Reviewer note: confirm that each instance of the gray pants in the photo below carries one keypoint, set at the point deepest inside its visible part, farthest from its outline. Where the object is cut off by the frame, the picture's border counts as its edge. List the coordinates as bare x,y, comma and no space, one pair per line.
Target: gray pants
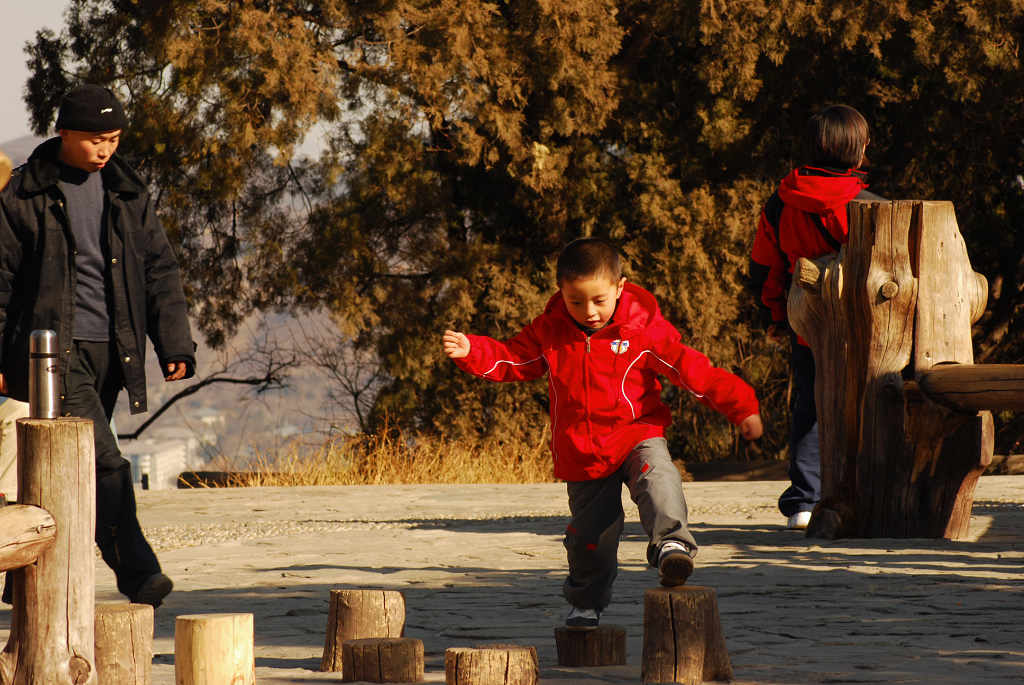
592,536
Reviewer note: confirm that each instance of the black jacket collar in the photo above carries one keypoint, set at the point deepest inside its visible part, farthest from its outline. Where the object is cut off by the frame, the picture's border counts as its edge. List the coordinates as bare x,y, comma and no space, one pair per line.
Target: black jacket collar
42,170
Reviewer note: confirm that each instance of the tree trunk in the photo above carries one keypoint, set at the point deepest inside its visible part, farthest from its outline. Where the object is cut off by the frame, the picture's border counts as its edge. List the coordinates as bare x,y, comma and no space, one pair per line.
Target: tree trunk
602,646
683,641
491,665
51,638
898,300
25,531
383,660
124,643
210,649
357,614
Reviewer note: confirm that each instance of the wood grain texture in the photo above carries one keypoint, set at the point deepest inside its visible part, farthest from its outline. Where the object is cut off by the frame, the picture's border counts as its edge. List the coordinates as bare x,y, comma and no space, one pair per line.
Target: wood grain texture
124,643
898,454
214,649
25,531
52,633
359,614
683,640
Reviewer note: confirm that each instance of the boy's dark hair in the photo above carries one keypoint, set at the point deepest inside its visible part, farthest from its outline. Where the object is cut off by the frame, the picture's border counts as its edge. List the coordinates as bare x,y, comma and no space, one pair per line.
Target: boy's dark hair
835,137
586,257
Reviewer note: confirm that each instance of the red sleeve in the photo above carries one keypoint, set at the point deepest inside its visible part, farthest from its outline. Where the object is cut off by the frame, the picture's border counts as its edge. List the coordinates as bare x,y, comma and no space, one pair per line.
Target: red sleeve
725,392
518,359
768,270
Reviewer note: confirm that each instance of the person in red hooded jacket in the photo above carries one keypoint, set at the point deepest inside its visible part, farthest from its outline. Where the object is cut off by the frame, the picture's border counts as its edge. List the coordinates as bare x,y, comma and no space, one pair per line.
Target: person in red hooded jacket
807,217
602,342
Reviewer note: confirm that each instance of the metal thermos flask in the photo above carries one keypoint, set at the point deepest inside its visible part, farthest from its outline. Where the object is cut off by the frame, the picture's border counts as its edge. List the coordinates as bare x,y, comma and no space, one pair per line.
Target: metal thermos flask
43,400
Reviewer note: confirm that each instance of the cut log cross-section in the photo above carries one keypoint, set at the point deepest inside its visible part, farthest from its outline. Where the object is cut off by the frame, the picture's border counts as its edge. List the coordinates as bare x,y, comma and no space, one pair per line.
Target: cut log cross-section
491,665
383,660
124,643
683,641
51,639
359,614
602,646
214,648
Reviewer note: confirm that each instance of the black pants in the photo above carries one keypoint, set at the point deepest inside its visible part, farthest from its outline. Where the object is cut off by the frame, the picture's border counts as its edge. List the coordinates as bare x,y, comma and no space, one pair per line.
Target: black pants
93,381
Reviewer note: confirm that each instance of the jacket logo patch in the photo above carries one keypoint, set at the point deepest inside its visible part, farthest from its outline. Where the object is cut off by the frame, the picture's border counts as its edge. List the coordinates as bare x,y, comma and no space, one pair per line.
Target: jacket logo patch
620,346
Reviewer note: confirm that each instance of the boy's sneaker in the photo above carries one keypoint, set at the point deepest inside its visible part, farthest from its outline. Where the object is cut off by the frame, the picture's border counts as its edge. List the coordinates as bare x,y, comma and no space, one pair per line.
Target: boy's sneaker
675,563
585,619
799,520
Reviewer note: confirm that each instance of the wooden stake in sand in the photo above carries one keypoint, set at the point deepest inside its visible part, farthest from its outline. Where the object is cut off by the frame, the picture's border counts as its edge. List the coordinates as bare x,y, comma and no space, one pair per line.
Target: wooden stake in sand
214,648
124,643
359,614
51,638
491,665
602,646
383,660
683,640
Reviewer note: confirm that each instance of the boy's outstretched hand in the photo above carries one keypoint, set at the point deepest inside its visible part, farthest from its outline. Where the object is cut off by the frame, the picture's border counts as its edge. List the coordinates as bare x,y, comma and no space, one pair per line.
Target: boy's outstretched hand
456,345
751,428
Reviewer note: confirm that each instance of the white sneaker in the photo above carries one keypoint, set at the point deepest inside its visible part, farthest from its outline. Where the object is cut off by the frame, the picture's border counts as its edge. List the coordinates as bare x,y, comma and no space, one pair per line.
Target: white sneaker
587,619
799,520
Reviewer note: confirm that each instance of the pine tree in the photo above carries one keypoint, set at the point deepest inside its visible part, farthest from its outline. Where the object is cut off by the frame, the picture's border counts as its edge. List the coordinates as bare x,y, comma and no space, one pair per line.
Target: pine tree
461,143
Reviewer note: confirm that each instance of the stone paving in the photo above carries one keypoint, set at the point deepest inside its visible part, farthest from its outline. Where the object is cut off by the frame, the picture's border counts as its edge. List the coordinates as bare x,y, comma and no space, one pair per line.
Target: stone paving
485,563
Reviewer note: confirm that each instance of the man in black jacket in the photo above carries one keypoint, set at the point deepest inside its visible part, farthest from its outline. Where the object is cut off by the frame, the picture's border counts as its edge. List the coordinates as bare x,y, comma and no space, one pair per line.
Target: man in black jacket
83,253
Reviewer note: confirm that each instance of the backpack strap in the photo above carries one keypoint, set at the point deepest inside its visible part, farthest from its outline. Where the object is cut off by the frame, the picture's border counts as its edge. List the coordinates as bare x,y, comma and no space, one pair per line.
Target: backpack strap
829,238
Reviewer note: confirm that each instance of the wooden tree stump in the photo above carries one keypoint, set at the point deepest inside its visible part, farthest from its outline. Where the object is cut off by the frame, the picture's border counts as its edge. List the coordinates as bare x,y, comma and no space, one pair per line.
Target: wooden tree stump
51,638
383,660
124,643
603,646
25,531
210,649
683,641
358,614
491,665
897,302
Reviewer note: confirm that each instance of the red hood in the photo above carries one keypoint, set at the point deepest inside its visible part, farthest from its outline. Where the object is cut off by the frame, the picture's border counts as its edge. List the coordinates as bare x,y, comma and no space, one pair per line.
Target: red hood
637,308
818,191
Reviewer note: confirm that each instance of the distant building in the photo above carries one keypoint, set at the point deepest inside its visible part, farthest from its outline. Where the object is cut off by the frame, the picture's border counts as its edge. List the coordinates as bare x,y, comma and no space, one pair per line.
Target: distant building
157,462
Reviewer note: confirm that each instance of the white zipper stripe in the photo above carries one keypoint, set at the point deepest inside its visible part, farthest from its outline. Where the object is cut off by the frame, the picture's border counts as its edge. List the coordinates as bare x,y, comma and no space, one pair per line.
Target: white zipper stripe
506,361
622,386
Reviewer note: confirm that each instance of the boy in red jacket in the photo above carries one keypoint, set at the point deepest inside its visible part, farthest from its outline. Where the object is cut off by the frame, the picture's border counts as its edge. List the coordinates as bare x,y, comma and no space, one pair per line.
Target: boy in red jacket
806,217
602,343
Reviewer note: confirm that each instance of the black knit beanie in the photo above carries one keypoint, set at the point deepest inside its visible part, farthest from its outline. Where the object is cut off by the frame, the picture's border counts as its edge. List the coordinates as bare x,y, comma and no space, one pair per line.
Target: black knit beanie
90,108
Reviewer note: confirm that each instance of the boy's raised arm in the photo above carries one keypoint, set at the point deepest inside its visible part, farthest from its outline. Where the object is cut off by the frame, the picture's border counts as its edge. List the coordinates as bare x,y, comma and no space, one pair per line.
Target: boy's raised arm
518,359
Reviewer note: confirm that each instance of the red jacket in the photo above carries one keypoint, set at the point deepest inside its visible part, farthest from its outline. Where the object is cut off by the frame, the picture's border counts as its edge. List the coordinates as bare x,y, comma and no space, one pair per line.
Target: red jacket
805,217
603,389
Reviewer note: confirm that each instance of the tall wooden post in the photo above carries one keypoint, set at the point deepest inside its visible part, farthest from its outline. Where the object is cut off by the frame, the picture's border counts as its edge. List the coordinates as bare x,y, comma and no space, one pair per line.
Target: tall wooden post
51,639
897,301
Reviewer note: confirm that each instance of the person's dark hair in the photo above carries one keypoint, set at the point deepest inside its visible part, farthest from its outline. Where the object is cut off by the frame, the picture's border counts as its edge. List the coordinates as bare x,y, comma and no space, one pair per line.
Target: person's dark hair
586,257
835,137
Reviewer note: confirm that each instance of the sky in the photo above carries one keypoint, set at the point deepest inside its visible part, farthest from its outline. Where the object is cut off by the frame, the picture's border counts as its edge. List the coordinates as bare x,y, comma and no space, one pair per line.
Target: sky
22,18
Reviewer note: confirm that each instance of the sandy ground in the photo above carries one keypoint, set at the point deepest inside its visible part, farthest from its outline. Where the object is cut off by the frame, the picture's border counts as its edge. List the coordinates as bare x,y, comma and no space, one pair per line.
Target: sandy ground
485,564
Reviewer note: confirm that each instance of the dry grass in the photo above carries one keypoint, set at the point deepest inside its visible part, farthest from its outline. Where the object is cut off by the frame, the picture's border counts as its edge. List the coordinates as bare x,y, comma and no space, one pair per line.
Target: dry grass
389,458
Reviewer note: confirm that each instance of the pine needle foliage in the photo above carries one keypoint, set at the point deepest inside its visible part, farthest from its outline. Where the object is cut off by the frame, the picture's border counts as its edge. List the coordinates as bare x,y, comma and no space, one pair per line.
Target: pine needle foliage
465,141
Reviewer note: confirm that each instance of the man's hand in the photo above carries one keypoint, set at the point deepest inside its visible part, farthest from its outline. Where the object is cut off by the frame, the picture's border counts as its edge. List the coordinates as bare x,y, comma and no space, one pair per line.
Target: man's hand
456,345
175,371
751,428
